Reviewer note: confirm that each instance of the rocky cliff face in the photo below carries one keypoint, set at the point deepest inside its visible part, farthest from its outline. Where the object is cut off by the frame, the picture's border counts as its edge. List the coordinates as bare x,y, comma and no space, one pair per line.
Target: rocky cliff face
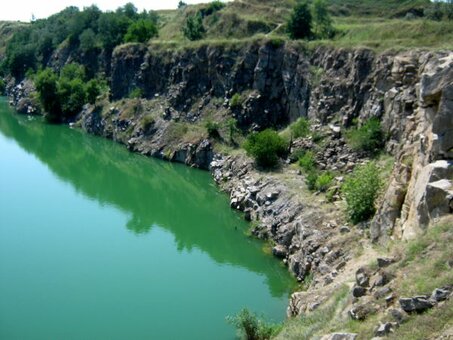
274,80
411,93
421,186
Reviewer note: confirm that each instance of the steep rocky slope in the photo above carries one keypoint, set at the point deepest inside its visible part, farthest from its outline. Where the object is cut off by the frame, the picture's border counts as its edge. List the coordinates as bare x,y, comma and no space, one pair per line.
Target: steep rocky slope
411,93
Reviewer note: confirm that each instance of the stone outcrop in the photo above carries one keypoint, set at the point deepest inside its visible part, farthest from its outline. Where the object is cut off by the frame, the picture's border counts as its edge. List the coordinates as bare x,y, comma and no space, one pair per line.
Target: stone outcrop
21,97
420,190
411,93
300,232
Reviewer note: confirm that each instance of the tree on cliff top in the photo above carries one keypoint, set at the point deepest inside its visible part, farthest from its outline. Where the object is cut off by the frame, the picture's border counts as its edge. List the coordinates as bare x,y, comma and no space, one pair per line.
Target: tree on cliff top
300,22
141,31
322,21
194,29
310,19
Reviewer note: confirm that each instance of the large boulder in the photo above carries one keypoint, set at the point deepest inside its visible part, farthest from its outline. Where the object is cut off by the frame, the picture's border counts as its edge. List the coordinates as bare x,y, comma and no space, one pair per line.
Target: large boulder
433,193
417,304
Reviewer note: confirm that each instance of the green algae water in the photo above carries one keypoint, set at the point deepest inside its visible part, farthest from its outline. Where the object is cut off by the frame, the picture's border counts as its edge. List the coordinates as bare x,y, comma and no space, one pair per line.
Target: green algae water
99,243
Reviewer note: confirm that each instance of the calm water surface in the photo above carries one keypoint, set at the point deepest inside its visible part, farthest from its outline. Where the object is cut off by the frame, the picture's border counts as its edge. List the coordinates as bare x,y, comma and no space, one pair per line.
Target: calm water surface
99,243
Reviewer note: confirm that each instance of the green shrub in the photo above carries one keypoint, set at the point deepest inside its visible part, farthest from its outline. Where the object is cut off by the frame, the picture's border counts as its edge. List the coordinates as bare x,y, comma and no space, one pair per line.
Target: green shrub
311,178
93,89
251,327
434,11
136,93
211,8
360,191
330,193
63,96
296,154
71,96
141,31
231,125
212,128
2,87
276,42
300,23
88,40
46,83
266,147
368,137
20,60
72,71
307,161
147,121
194,29
324,181
300,128
317,137
236,101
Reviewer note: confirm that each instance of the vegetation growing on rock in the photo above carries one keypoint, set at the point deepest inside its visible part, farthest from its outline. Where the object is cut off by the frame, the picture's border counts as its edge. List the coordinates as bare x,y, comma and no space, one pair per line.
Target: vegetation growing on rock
361,190
266,147
63,96
368,137
251,327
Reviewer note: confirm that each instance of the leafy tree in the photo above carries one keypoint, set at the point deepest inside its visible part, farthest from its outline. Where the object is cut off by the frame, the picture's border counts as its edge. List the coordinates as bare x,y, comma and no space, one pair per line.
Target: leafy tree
93,89
129,10
88,40
72,96
21,52
141,31
47,87
448,9
45,47
20,59
300,23
266,147
63,96
360,191
434,11
112,28
323,27
194,29
181,4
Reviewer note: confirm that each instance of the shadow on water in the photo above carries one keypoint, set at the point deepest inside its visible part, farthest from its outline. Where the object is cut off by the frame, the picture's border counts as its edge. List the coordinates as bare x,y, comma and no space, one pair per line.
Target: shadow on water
184,201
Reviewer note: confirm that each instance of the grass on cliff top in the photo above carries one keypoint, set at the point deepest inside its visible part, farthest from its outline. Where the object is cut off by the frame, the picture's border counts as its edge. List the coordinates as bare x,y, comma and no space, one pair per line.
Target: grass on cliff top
381,8
396,34
368,23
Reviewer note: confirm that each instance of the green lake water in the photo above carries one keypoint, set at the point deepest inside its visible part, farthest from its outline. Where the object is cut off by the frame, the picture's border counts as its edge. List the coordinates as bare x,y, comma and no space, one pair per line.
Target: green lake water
100,243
